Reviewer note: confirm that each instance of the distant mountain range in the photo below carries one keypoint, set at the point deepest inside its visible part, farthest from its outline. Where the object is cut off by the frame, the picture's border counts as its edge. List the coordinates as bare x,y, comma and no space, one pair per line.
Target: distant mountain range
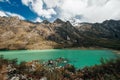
22,34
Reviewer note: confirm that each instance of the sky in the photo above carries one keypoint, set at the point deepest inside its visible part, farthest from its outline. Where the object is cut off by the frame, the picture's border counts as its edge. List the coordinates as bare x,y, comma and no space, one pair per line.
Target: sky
75,11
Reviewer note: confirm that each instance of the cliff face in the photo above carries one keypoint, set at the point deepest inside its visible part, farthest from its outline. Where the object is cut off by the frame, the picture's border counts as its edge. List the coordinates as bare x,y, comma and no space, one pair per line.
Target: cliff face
108,29
106,34
19,34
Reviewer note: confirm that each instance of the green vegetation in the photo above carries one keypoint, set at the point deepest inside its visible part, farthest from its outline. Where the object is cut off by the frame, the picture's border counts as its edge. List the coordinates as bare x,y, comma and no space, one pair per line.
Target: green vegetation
102,42
37,70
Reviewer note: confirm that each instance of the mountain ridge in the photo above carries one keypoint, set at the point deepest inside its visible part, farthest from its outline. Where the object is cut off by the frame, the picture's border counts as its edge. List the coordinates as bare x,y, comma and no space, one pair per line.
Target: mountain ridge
22,34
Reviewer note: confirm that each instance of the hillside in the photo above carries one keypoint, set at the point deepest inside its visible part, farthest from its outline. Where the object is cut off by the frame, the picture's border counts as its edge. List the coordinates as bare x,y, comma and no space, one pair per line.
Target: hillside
21,34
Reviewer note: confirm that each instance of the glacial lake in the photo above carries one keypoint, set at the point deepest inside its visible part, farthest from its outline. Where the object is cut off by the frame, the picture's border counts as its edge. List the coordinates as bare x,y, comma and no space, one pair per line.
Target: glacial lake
78,58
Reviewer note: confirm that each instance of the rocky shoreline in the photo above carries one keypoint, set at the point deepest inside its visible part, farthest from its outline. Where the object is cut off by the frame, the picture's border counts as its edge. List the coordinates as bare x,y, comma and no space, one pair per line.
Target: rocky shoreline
35,70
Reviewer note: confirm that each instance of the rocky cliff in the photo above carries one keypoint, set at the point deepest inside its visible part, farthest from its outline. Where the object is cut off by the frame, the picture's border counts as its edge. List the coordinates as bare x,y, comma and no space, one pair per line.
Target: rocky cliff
106,34
21,34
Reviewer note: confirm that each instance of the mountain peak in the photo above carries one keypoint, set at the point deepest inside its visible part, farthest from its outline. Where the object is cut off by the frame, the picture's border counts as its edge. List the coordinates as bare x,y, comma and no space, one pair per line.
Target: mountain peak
58,21
45,22
68,23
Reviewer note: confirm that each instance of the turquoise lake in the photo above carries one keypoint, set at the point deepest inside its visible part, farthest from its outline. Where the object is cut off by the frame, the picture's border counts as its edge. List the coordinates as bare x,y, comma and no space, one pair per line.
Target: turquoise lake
78,58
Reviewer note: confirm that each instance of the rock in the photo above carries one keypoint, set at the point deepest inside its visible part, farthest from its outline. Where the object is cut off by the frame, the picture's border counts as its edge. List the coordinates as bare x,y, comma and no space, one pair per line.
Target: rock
46,22
21,34
58,21
7,35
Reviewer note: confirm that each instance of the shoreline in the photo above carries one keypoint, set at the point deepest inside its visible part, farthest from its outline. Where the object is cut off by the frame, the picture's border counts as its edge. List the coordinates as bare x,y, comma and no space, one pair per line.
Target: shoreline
116,51
72,48
69,48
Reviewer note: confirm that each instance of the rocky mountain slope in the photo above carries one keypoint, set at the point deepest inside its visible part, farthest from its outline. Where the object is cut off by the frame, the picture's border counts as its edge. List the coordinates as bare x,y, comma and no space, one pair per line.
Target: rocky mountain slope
21,34
106,34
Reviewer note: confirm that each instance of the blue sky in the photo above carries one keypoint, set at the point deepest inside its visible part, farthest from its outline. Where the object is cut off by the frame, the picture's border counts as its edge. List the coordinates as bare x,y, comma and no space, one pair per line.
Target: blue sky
15,6
72,10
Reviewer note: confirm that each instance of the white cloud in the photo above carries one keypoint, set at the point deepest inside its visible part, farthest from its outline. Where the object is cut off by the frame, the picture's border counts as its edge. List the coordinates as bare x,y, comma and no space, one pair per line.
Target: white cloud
38,20
52,3
87,10
91,10
4,13
14,14
37,7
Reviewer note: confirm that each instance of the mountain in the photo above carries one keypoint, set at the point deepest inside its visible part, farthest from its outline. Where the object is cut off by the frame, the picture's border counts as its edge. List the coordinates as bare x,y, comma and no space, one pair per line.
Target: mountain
22,34
106,34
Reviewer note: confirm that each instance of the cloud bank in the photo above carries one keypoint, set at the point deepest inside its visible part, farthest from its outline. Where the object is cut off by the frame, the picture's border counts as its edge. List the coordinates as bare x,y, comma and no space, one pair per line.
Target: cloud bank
72,10
7,14
37,6
77,10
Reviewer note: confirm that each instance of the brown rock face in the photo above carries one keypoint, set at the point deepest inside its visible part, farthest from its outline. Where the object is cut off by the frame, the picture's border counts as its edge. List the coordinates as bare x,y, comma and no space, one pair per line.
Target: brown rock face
21,34
17,34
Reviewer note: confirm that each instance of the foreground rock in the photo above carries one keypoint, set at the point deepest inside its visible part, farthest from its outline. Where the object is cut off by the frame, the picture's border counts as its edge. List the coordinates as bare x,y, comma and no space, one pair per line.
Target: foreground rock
37,70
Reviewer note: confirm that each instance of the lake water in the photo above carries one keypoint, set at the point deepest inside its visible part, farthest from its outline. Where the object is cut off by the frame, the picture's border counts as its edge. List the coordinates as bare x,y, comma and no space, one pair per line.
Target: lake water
78,58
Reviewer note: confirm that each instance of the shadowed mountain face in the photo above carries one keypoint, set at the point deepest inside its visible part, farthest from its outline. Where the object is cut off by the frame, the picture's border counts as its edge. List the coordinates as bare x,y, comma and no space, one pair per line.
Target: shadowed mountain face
108,29
19,34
